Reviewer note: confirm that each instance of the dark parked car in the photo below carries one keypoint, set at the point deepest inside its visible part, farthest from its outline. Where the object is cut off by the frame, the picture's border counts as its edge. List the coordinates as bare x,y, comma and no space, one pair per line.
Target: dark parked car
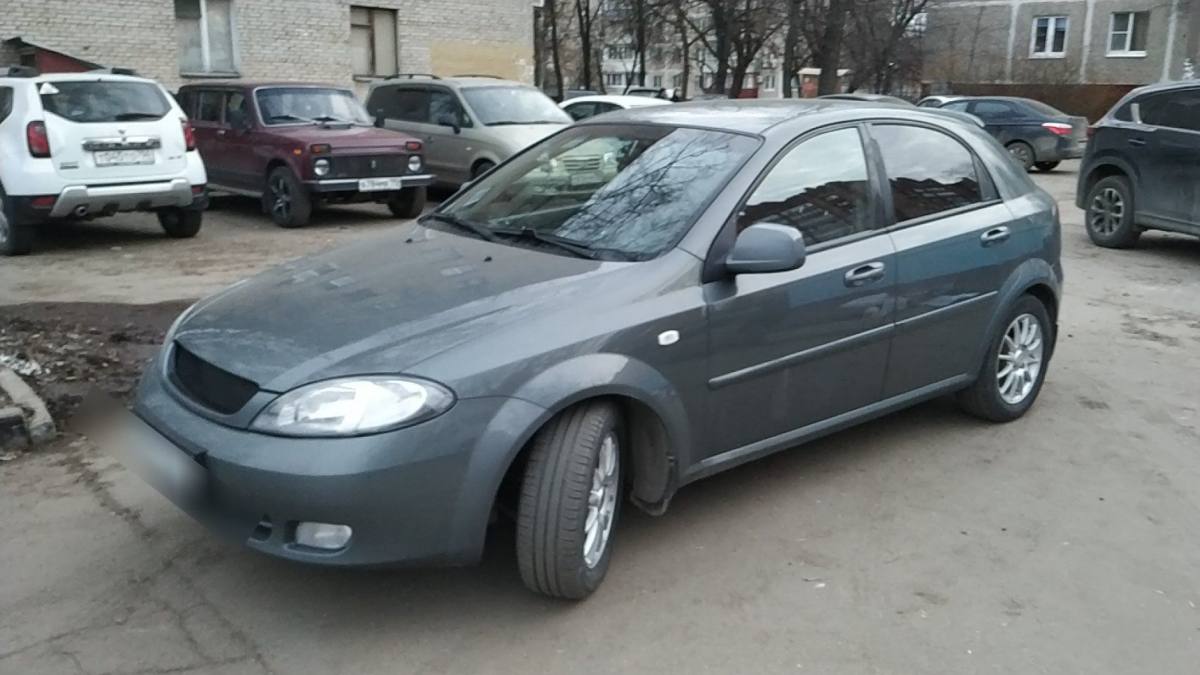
1037,135
296,146
1142,167
894,100
731,280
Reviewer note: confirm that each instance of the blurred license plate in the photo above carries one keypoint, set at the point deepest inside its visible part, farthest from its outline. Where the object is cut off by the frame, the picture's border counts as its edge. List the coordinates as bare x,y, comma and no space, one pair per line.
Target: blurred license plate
123,157
588,178
379,184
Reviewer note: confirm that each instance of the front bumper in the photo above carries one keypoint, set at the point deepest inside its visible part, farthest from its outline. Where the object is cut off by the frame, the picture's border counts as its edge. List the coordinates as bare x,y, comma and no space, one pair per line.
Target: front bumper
82,200
352,184
417,495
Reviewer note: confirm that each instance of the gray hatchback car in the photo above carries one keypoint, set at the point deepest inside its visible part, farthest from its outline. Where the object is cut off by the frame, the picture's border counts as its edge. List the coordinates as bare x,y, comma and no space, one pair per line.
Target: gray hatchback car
728,280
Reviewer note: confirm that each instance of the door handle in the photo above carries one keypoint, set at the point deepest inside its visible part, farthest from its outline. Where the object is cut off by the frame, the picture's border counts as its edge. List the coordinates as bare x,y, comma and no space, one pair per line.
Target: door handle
995,236
865,274
1139,142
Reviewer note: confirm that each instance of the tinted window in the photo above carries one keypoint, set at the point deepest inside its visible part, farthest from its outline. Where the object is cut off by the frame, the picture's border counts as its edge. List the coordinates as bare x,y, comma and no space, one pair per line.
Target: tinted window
929,172
581,111
235,109
1174,109
104,101
820,187
444,106
995,110
410,105
6,102
626,192
208,106
1124,113
513,105
960,106
187,102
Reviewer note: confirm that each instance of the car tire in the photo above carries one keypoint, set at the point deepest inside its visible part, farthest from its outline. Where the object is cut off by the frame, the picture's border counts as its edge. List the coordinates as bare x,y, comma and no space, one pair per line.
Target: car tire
409,203
572,477
14,239
286,200
1109,213
180,223
1046,167
1022,152
1005,388
481,168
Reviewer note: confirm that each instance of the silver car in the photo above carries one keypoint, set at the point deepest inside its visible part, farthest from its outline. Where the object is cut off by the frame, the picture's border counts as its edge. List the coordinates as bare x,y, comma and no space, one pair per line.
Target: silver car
469,124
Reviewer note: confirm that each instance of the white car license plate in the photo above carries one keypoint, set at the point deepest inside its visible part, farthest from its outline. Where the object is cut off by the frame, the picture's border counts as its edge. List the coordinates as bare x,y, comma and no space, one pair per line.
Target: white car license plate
379,184
586,178
123,157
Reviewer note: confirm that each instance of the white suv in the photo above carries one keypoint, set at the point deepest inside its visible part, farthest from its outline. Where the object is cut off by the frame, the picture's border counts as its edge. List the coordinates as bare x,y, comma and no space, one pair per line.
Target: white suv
84,145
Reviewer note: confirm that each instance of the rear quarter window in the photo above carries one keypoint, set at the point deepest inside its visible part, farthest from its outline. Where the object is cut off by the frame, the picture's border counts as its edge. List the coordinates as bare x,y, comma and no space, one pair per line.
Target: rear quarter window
96,101
6,102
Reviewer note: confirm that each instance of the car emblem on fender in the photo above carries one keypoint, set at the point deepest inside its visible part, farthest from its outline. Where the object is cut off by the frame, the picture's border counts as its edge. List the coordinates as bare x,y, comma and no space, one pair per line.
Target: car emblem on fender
374,164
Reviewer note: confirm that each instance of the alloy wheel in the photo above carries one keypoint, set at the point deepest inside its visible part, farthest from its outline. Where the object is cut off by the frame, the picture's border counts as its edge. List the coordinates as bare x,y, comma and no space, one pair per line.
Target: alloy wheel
1107,211
1019,361
1021,153
602,501
281,198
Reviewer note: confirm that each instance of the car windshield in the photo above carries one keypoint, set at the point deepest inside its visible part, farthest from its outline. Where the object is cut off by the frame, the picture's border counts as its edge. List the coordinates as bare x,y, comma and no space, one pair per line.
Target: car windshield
611,192
1045,109
513,105
290,105
104,101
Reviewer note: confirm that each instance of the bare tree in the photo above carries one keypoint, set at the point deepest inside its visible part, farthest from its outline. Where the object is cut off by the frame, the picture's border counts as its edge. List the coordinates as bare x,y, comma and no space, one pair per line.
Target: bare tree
881,34
586,16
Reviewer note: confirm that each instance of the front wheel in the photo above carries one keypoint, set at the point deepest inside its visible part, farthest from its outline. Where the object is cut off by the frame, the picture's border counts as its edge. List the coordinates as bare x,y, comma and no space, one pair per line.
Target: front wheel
1046,167
14,239
180,223
1015,366
570,500
1109,216
286,199
1023,153
409,203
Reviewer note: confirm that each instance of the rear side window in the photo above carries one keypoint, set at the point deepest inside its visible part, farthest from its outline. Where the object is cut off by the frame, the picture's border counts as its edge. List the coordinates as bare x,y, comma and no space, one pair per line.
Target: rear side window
820,187
104,101
401,103
1043,108
208,106
1173,109
929,172
995,110
6,102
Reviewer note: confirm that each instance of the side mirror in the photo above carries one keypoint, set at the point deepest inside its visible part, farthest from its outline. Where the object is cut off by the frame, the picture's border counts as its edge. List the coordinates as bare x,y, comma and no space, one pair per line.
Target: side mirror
1135,112
766,247
451,120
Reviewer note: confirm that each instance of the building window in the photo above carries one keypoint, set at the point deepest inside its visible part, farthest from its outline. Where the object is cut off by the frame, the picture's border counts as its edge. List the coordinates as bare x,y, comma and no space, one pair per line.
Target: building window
658,81
205,30
1127,33
373,41
614,79
768,82
620,51
1049,37
677,80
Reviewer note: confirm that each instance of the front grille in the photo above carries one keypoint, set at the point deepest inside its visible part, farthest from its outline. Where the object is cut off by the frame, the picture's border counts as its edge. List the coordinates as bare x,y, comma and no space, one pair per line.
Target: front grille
573,164
210,386
370,166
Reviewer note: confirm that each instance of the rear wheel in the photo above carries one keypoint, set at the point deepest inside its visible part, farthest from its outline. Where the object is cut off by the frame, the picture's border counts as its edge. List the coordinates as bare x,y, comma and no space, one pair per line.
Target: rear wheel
1109,215
14,239
180,223
1023,153
1046,166
409,203
1015,365
286,200
570,500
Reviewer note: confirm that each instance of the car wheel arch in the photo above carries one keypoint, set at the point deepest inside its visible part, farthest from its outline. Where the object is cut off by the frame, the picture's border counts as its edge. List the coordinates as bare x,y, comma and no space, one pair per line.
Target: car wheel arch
1104,168
1034,277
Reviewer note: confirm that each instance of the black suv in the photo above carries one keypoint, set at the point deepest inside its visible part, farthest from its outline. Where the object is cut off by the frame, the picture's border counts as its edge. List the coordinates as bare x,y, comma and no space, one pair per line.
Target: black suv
1142,166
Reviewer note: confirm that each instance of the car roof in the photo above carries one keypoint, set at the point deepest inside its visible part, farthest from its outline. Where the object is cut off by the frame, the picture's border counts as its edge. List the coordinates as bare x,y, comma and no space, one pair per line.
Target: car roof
87,76
630,101
460,82
756,116
242,84
1166,86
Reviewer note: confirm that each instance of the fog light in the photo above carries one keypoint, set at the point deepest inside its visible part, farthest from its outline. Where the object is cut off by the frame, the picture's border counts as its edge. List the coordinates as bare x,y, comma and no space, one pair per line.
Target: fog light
414,163
321,167
326,536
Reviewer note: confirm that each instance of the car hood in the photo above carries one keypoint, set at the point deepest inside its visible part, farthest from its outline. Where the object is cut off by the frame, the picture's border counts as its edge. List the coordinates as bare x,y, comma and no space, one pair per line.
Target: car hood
341,136
517,137
383,305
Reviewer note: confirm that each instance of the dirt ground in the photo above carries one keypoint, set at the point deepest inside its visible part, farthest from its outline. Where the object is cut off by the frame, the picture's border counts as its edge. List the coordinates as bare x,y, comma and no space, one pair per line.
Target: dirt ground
925,542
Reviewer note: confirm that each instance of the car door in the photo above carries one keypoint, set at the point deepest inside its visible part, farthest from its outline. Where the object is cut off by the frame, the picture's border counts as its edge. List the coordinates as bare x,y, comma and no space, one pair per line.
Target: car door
1169,156
246,168
790,349
955,246
208,123
450,132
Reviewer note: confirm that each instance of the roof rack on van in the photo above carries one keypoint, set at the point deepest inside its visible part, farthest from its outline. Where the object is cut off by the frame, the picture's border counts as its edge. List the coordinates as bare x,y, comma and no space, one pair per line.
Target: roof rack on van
116,71
411,76
493,77
21,71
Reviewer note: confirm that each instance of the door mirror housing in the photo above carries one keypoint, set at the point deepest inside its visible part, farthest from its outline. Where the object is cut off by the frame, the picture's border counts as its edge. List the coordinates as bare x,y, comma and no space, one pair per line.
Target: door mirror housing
379,118
766,247
448,119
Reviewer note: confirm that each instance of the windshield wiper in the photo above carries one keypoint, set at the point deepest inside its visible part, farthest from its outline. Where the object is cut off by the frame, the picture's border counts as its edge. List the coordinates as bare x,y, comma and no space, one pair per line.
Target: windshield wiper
578,248
286,118
127,116
329,119
478,230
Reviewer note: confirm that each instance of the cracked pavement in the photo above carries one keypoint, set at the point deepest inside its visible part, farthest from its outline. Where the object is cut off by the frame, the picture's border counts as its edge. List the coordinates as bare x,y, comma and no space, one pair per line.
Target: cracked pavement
924,542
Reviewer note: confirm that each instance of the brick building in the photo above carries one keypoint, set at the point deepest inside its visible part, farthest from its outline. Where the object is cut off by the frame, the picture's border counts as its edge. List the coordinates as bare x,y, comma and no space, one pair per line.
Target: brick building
339,41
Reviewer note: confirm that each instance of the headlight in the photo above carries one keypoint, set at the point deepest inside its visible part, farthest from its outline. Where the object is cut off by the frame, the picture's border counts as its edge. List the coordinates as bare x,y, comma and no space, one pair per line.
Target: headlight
414,163
353,406
321,167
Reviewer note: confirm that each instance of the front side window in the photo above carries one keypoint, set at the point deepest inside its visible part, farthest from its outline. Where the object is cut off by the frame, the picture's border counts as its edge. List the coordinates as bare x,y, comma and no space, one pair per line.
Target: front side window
627,192
959,106
820,187
928,171
205,32
208,106
1173,109
6,102
1049,37
293,105
104,101
445,110
513,105
1127,33
373,42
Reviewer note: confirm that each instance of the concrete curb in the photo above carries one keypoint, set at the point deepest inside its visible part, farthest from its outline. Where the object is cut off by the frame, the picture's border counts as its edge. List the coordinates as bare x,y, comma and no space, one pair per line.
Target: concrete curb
39,426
